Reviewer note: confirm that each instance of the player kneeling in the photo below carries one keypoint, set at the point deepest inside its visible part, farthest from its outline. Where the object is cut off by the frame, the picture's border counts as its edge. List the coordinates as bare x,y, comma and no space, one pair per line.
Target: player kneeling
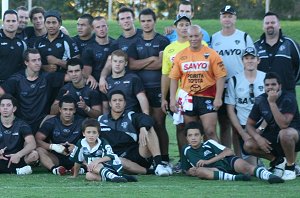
211,160
96,153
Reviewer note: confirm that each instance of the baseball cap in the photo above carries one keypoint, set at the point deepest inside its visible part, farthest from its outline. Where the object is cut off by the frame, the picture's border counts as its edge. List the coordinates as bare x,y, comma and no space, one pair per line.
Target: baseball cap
53,13
181,16
250,51
228,9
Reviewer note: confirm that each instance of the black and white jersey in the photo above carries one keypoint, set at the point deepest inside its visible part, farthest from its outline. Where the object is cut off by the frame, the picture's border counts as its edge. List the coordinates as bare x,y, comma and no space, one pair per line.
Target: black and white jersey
33,96
123,43
131,85
56,132
62,47
282,58
124,131
81,44
13,137
90,96
95,56
143,49
11,55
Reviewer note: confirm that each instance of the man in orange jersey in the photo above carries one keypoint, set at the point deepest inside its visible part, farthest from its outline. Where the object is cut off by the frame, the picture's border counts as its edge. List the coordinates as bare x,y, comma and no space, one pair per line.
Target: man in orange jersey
202,75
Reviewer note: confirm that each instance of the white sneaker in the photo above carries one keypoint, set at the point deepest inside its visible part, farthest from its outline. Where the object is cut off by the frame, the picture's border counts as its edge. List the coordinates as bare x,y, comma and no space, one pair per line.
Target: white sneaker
161,171
168,166
279,168
289,175
26,170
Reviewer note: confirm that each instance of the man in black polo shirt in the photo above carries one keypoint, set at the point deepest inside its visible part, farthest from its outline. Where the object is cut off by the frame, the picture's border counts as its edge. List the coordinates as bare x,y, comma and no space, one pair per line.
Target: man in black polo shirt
89,101
129,83
55,47
11,47
279,140
32,88
57,136
94,55
125,18
17,143
145,58
85,34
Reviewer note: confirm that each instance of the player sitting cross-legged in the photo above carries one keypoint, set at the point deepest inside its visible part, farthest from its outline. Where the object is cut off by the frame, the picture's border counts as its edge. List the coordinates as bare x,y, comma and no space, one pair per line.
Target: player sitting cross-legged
211,160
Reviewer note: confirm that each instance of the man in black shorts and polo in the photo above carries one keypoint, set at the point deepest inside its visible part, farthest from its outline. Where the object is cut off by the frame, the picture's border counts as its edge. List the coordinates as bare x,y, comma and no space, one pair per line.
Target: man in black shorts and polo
279,141
57,136
132,137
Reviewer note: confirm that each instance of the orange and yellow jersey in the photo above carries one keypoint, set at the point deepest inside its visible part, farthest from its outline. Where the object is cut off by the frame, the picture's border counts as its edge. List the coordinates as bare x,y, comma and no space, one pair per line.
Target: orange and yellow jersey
198,71
170,52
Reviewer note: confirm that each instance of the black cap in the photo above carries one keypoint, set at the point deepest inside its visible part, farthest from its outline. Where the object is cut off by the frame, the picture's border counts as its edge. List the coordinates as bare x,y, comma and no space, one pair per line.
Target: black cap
250,51
181,16
53,13
228,9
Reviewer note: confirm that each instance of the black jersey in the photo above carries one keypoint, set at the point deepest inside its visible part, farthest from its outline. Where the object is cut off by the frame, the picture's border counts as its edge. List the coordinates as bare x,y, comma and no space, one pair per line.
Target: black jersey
95,56
56,132
131,85
13,138
62,47
33,96
91,96
124,131
81,44
143,49
286,103
11,55
123,43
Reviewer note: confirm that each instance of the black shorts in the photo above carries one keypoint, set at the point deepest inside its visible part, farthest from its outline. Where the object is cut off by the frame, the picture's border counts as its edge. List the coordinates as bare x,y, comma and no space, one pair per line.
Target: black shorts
12,168
154,96
201,106
63,160
230,161
274,139
132,153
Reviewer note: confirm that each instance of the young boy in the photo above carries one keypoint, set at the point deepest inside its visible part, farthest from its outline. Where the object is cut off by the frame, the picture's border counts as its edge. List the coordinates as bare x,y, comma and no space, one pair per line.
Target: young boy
211,160
97,155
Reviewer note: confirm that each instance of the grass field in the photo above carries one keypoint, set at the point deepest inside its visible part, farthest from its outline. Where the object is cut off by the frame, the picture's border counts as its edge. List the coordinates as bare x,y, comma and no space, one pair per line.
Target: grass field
43,184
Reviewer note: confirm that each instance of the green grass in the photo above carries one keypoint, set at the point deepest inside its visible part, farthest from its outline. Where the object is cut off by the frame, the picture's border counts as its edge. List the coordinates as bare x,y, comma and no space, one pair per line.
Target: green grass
43,184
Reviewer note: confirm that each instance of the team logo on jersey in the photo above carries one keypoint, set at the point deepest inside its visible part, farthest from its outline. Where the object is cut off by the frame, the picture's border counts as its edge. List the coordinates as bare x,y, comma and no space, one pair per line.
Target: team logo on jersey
7,132
12,47
106,49
206,55
32,86
124,49
195,88
99,153
237,42
209,105
261,88
124,125
207,152
49,49
148,44
105,121
19,43
117,82
281,48
56,132
139,48
98,55
195,66
58,45
171,50
78,93
65,132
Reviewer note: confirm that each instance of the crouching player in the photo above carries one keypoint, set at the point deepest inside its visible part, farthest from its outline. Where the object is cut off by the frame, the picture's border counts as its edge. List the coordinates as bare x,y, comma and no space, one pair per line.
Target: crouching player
211,160
96,153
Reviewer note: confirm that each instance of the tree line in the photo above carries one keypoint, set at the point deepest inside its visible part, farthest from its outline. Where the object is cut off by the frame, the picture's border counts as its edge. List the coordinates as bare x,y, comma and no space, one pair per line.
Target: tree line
204,9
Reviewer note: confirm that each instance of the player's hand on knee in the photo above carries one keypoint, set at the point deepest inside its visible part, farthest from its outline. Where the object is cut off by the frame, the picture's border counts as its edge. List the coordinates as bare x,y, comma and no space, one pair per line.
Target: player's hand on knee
58,148
201,163
14,158
143,137
264,144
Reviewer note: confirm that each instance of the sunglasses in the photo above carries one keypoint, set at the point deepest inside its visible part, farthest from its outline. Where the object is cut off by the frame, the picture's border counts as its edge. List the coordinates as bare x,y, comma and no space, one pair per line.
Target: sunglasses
251,93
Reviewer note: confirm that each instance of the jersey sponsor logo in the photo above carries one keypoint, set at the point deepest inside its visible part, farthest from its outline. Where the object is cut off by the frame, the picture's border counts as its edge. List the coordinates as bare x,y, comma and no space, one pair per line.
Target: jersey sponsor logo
282,48
245,101
106,49
15,134
105,129
155,45
126,82
230,52
261,88
195,66
117,82
195,78
7,132
4,43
